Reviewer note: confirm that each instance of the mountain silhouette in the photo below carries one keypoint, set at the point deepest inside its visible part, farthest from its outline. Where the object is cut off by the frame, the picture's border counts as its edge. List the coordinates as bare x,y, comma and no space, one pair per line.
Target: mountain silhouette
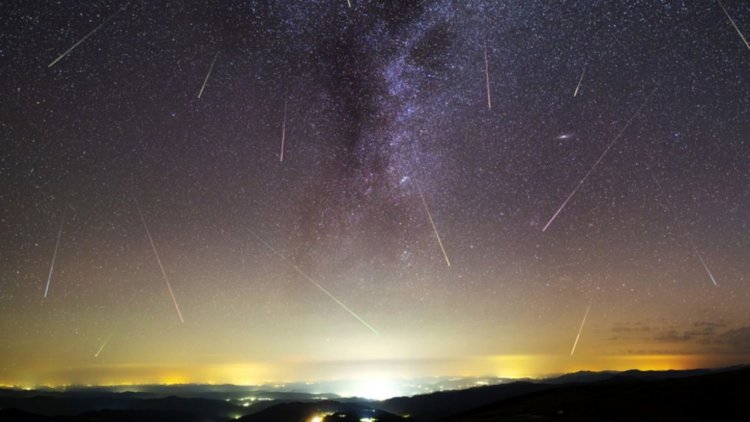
623,397
582,396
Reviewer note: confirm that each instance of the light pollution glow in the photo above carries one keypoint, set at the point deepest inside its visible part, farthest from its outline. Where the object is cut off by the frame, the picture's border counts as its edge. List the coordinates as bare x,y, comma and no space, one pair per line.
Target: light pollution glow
374,372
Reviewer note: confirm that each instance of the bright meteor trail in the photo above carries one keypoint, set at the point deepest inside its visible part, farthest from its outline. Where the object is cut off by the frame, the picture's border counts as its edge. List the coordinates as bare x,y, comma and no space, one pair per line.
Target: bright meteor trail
580,329
579,82
432,222
700,258
158,259
733,24
487,77
670,206
96,355
54,255
599,160
208,75
283,134
315,283
88,35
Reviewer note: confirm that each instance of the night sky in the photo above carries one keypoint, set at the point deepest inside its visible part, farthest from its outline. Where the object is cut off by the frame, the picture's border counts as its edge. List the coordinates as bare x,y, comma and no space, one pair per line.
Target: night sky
412,227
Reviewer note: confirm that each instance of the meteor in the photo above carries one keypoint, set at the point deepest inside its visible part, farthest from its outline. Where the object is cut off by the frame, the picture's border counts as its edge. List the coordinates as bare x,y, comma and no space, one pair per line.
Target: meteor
88,35
700,258
208,75
96,355
313,282
283,135
599,160
158,259
487,77
580,329
54,254
432,222
733,24
670,207
349,2
579,82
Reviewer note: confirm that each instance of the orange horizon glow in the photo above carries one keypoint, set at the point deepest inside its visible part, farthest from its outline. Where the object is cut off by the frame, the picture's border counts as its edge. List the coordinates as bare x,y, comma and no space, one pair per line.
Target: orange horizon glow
257,374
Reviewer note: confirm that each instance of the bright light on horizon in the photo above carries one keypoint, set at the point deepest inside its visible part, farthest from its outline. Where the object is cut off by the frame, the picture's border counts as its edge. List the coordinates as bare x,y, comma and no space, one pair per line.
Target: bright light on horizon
375,388
378,380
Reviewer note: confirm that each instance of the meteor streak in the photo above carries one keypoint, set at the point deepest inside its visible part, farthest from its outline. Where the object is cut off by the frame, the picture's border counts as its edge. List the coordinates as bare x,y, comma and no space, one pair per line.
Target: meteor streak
733,24
208,75
158,259
580,329
315,283
432,222
54,254
670,207
96,355
579,82
700,258
88,35
283,135
349,2
487,77
599,160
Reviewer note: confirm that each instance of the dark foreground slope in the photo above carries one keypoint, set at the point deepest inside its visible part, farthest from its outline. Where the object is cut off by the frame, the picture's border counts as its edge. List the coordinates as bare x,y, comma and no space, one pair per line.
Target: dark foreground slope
70,405
123,415
115,407
716,396
434,406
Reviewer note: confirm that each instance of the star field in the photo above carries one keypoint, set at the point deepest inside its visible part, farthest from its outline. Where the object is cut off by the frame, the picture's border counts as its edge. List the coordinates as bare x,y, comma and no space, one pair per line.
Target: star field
326,264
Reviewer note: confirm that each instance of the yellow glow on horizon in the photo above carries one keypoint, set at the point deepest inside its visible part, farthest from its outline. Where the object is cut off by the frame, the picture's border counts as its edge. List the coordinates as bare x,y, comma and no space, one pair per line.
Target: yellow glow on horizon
368,379
174,379
513,366
534,366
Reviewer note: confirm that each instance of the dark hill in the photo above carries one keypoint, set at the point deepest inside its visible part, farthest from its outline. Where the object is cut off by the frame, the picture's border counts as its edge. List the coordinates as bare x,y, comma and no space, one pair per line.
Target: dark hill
69,406
430,407
435,406
635,374
124,415
15,415
715,396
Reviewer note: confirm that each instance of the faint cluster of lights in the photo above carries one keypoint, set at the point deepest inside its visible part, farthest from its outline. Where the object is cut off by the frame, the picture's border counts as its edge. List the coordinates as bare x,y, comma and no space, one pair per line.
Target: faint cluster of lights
321,416
254,399
250,400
